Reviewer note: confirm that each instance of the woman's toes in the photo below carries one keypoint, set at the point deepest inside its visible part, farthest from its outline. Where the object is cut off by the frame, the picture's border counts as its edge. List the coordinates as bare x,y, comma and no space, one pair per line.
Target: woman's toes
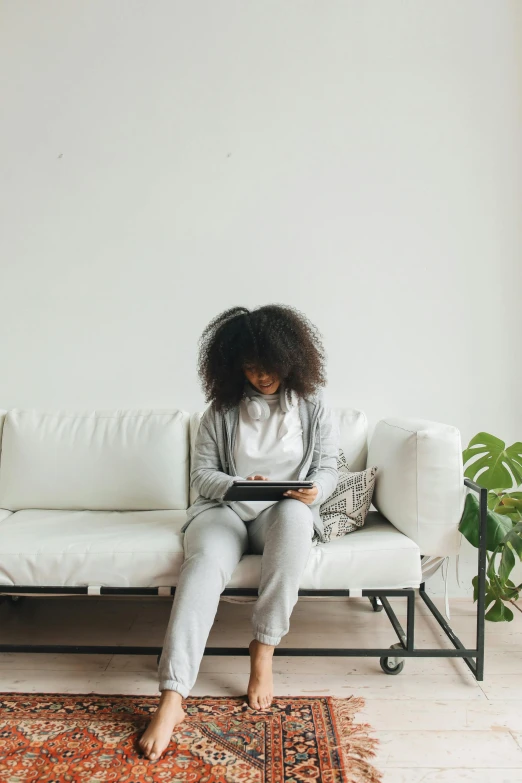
258,702
152,751
146,748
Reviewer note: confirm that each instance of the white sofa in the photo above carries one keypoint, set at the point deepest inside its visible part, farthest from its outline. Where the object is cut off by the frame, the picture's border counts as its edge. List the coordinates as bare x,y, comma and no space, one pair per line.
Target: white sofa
97,498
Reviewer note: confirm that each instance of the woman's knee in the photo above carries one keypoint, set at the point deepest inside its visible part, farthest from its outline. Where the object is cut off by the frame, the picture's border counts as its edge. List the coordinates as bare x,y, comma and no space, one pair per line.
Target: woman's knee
290,519
216,534
295,510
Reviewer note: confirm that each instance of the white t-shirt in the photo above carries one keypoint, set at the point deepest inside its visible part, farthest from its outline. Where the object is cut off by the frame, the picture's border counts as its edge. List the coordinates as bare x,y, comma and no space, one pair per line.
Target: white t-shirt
273,448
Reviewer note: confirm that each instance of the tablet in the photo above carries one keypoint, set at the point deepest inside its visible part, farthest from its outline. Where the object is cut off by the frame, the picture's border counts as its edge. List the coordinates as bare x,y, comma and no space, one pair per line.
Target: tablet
263,490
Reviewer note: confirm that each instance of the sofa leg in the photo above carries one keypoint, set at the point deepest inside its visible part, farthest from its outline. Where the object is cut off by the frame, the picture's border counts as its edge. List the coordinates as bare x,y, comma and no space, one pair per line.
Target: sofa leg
376,603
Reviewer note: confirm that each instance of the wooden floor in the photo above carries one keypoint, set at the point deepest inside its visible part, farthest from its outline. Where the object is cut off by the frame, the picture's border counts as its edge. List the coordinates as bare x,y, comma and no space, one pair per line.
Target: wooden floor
434,721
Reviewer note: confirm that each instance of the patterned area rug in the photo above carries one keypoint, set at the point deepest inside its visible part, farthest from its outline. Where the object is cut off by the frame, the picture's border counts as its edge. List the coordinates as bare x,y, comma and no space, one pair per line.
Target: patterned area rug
85,738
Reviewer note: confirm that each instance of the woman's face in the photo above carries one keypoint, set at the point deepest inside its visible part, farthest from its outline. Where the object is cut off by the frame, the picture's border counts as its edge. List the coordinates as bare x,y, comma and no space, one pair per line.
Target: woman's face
266,383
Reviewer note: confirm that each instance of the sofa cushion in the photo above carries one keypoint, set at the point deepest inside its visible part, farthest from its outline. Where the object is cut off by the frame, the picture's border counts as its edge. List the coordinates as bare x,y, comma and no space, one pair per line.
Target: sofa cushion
3,414
353,427
99,460
112,548
375,556
193,427
346,508
420,483
145,549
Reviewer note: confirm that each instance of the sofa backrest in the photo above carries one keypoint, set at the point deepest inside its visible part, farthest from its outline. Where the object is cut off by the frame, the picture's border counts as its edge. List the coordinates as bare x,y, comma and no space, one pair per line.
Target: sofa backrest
116,459
193,431
353,428
2,419
101,460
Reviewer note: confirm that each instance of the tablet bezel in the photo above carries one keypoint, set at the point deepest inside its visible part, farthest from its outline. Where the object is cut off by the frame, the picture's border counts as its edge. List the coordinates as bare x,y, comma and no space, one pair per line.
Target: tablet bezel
278,487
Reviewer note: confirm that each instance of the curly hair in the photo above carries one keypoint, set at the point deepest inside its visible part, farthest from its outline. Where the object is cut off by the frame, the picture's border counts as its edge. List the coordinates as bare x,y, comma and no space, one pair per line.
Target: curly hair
275,337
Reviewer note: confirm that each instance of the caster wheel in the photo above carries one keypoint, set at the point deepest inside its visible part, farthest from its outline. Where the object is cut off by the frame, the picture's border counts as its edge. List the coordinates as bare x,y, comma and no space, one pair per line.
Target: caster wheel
376,603
391,666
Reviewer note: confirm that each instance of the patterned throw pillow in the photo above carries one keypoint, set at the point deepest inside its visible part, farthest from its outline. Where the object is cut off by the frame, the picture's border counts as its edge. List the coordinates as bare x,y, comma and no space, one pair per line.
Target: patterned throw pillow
346,508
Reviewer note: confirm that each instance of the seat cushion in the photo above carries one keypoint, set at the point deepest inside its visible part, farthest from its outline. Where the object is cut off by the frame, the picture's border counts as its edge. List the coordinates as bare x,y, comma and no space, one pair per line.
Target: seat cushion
145,549
73,548
375,556
102,460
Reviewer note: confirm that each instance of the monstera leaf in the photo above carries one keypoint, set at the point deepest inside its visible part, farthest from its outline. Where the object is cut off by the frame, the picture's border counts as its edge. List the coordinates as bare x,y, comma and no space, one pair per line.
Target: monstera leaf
513,538
499,612
507,503
496,458
497,526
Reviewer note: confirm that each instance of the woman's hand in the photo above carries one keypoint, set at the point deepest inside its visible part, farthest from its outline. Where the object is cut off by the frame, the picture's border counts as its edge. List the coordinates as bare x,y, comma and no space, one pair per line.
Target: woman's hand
305,495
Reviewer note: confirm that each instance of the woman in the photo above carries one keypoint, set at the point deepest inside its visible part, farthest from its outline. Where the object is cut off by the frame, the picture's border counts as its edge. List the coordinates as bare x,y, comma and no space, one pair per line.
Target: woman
267,419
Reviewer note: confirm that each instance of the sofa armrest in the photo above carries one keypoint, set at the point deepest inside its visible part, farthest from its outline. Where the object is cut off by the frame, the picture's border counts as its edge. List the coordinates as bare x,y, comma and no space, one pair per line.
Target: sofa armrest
420,484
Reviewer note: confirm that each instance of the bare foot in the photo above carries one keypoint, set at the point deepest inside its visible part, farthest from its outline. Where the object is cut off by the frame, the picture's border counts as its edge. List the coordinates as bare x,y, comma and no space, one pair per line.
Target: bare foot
260,684
158,733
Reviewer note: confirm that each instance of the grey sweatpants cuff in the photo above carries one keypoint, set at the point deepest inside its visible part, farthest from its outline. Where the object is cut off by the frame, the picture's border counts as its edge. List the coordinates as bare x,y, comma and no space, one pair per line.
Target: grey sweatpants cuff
266,639
173,685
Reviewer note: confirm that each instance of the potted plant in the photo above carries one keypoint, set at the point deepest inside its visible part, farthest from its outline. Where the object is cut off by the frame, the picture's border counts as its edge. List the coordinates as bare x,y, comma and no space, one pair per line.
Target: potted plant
498,469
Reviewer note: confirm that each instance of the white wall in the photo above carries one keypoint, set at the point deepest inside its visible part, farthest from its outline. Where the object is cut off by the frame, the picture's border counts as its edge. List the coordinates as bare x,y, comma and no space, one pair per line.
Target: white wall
164,160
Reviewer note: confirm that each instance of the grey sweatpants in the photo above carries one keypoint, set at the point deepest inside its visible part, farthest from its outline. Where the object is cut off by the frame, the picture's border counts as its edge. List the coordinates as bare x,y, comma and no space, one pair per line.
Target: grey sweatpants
214,543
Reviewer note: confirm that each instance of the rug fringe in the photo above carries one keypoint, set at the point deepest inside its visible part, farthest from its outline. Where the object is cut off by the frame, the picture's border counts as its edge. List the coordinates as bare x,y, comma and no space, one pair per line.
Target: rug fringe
356,746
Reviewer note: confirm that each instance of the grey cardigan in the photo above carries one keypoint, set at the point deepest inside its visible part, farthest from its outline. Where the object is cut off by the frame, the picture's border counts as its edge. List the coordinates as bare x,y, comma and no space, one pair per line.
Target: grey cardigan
213,469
